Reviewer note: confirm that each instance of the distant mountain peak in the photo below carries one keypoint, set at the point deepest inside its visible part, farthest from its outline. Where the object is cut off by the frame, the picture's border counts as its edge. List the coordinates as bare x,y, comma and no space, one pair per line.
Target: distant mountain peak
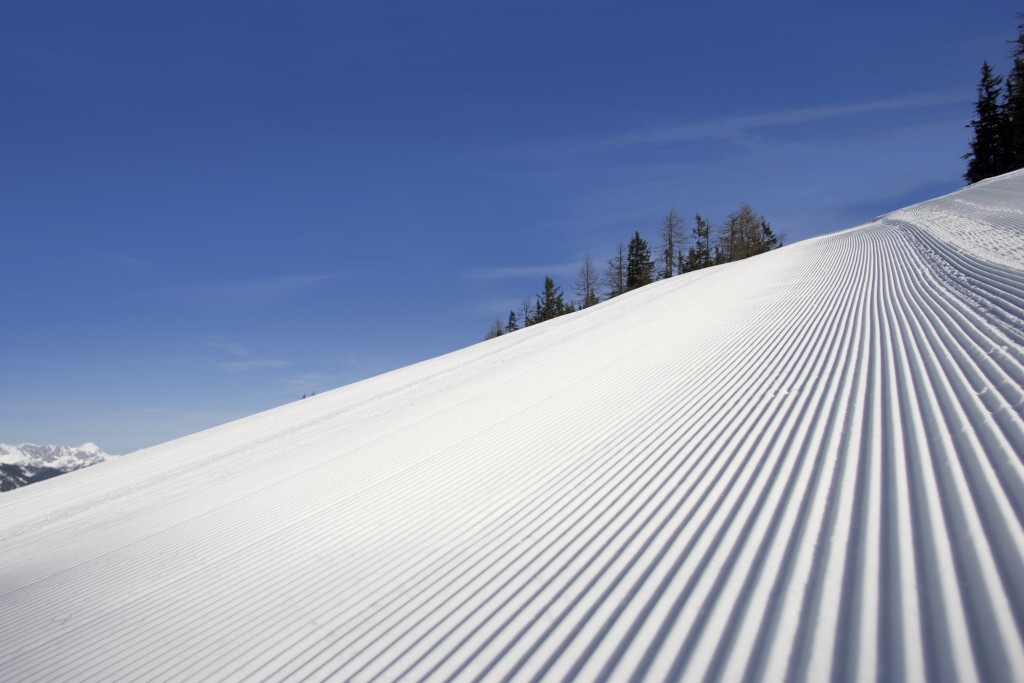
27,463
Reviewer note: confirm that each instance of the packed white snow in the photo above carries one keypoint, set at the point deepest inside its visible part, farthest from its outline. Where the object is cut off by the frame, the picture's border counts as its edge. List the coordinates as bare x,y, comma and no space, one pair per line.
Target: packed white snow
805,465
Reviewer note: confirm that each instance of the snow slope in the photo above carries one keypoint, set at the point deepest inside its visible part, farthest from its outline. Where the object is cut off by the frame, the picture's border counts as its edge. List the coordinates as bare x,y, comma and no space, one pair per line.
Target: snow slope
806,465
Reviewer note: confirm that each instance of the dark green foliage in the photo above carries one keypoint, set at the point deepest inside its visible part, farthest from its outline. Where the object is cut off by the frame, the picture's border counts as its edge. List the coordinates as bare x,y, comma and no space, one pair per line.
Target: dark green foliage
512,324
988,155
550,303
769,240
639,266
997,142
699,256
744,234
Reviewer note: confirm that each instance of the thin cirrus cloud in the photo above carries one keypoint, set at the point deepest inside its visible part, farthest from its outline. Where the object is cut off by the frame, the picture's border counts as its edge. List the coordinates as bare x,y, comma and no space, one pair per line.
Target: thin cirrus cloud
737,126
243,293
247,364
220,343
520,272
240,359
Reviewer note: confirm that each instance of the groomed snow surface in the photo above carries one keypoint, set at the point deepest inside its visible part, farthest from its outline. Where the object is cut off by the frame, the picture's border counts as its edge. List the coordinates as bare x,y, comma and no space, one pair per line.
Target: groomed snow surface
805,465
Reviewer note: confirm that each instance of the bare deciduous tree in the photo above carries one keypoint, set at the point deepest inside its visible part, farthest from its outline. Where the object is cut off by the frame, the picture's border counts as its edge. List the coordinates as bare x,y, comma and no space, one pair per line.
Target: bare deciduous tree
615,274
587,283
671,243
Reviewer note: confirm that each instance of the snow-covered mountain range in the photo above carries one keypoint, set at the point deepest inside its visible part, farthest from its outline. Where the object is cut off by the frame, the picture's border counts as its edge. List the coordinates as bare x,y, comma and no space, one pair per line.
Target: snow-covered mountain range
808,465
27,463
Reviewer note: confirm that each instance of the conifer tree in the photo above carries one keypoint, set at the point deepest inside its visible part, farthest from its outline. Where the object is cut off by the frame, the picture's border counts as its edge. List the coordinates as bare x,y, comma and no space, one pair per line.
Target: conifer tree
512,325
671,243
1011,133
769,240
550,303
699,255
615,275
988,157
586,283
639,266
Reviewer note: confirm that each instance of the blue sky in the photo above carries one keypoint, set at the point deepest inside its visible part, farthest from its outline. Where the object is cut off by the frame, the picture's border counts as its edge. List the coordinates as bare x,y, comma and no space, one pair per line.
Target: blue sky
209,209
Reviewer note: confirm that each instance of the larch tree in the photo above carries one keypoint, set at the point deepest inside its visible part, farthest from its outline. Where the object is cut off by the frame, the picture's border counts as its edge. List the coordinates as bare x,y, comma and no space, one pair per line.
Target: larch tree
615,274
496,330
587,283
526,308
671,243
742,234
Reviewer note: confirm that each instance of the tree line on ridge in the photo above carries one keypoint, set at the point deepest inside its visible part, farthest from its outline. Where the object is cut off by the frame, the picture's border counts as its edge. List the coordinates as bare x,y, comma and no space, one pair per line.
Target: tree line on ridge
633,265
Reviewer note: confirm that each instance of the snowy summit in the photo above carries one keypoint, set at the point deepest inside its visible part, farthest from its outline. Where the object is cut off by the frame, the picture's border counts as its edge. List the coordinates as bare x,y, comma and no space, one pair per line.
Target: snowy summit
28,463
806,465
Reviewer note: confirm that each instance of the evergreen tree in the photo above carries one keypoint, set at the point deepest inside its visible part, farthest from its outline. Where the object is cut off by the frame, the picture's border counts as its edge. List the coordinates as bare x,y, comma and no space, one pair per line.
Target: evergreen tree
769,240
587,283
719,256
615,275
1011,133
512,325
671,243
699,255
639,266
988,157
550,303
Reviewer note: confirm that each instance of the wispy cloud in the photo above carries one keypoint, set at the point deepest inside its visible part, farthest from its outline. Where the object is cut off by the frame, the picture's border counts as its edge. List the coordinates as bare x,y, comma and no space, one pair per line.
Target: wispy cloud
220,343
245,293
520,272
739,125
241,360
252,364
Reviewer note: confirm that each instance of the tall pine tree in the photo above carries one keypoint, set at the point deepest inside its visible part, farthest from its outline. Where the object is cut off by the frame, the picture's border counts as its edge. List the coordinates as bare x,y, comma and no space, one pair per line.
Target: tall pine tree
699,255
550,303
988,156
513,323
1012,131
639,266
